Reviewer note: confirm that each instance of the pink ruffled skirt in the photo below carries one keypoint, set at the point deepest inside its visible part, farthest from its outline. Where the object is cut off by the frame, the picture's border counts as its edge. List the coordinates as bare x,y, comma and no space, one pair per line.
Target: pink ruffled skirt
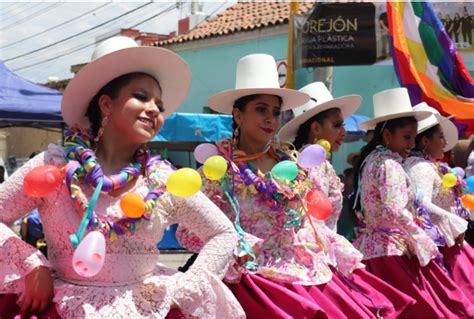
436,294
268,298
10,310
460,263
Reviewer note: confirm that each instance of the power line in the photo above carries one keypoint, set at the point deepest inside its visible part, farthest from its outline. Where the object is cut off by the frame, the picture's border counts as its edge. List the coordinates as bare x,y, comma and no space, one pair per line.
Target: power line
79,48
78,34
56,26
16,14
34,14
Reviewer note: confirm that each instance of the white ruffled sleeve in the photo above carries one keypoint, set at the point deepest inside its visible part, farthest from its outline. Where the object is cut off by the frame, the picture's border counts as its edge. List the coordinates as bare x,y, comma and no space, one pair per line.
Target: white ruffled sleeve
17,258
450,225
203,281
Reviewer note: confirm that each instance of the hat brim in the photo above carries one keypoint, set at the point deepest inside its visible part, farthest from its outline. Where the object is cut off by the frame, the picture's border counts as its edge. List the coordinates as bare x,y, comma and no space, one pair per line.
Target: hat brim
347,104
170,70
223,102
371,124
450,131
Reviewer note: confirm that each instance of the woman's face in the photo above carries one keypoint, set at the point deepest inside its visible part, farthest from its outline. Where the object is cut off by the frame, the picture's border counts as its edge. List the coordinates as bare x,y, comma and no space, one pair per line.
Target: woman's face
331,129
260,119
135,115
434,146
402,140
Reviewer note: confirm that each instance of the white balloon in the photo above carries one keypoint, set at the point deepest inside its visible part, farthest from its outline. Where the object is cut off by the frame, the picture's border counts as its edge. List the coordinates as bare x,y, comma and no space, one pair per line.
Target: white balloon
203,151
89,255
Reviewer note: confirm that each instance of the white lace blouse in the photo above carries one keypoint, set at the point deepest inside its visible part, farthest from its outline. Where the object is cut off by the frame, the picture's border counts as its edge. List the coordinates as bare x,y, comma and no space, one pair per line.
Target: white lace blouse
132,283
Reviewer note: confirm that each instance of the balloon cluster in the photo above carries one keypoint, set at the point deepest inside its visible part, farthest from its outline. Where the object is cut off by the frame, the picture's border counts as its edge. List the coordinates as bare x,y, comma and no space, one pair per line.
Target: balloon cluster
468,199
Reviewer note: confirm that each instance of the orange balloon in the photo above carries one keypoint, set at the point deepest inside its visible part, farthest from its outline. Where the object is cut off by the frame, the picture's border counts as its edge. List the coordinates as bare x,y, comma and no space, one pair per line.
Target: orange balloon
318,204
132,205
468,201
42,180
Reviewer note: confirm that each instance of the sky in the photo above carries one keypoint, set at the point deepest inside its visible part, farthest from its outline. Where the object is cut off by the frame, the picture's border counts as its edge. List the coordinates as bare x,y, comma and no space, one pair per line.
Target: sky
27,26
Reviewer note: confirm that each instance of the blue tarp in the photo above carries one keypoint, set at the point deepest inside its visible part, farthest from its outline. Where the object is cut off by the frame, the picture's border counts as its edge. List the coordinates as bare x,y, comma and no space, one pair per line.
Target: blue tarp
352,122
23,103
190,127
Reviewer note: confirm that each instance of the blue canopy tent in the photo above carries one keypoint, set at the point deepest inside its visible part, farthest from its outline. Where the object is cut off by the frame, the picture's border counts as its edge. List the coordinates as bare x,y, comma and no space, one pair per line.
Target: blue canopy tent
23,103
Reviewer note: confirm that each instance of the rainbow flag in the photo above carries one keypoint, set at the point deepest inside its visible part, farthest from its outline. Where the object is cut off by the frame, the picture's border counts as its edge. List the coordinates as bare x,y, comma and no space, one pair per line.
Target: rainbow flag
427,62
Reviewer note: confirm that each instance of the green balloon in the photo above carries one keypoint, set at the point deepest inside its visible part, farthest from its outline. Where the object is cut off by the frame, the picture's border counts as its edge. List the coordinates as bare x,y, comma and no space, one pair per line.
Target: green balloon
285,170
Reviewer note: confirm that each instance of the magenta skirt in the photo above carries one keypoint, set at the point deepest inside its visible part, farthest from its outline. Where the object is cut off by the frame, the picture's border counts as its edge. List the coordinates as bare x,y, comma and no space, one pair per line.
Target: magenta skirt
436,294
10,310
460,263
377,295
268,298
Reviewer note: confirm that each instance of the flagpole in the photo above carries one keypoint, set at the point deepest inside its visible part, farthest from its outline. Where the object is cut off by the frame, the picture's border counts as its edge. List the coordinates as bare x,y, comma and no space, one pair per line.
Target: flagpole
290,76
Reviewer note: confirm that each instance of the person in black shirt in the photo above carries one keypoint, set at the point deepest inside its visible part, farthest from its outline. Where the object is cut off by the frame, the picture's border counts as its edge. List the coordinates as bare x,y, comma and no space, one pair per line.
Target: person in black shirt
448,25
383,23
456,27
466,27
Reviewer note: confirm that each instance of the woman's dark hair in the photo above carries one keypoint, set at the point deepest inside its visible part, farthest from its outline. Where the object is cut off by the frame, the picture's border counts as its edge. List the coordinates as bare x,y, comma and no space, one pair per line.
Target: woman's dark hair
391,126
303,131
112,90
242,102
429,133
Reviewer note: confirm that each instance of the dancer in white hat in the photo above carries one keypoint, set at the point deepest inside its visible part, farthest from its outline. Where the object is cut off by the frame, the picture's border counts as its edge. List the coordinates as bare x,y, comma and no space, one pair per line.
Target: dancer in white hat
436,135
394,245
103,222
323,118
282,268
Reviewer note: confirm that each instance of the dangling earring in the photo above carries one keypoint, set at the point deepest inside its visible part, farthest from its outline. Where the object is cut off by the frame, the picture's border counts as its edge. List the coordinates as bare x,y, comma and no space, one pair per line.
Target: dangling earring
104,122
237,132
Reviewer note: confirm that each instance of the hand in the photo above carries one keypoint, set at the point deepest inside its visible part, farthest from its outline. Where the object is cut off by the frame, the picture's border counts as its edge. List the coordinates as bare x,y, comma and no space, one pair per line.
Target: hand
38,291
460,239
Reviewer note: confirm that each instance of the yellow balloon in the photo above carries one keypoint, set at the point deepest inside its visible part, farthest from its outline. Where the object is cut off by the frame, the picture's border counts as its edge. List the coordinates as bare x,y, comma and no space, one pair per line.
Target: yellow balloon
215,167
326,145
449,180
184,182
132,205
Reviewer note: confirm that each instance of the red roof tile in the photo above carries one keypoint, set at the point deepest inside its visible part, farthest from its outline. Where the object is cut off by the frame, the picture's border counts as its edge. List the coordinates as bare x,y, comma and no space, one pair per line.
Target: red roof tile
241,17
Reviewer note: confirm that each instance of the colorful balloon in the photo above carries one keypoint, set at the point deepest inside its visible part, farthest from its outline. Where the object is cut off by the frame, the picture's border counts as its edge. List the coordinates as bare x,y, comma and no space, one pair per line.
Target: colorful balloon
458,171
203,151
470,184
215,167
89,255
132,205
468,201
326,145
285,170
184,182
318,204
312,156
42,180
449,180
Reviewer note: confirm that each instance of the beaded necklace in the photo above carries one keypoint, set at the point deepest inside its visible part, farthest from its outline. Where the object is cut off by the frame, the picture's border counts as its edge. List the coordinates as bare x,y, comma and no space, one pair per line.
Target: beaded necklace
82,164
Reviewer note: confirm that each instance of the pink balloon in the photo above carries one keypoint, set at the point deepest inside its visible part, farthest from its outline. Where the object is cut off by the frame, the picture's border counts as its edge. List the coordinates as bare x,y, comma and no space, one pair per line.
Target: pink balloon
89,255
203,151
312,156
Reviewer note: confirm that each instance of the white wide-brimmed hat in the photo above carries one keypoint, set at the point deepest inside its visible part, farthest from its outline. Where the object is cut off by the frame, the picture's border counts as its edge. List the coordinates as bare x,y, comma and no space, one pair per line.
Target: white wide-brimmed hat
449,129
392,104
118,56
320,100
256,74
